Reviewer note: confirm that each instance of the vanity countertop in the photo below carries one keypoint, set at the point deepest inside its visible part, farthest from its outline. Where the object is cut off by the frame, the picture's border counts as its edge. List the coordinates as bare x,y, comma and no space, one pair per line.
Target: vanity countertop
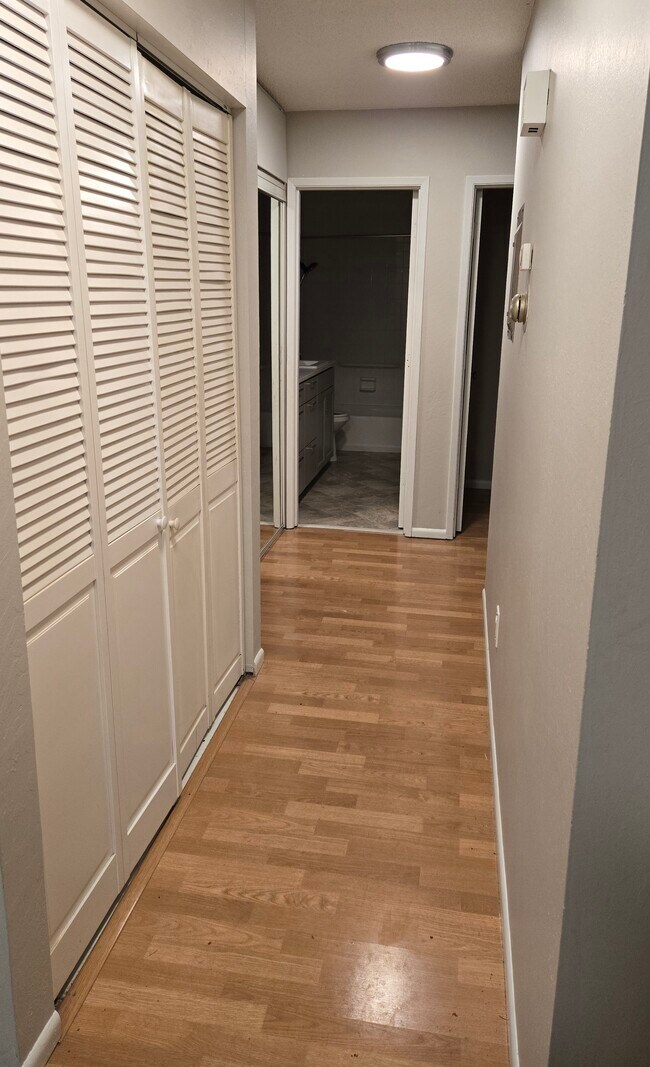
310,372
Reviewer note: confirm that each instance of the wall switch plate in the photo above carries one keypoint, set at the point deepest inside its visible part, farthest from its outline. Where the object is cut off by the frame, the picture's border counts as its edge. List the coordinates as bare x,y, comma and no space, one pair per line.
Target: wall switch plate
497,620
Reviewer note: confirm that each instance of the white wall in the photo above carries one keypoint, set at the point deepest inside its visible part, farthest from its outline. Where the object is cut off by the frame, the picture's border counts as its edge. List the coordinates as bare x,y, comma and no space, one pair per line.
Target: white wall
601,1002
447,145
271,136
553,425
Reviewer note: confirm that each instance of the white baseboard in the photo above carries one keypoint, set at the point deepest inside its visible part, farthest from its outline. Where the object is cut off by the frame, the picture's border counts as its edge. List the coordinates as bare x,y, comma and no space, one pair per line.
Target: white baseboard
513,1044
45,1043
424,531
257,662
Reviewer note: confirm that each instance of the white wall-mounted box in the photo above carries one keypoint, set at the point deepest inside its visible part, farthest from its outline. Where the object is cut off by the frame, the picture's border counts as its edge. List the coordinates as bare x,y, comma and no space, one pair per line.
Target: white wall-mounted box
535,103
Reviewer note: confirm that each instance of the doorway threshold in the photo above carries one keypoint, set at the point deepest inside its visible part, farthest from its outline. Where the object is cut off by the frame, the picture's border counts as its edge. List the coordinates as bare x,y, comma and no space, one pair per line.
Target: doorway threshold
350,529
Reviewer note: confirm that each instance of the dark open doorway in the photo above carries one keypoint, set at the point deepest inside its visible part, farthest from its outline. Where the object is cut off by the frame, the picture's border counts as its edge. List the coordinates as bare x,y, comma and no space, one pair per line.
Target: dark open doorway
484,359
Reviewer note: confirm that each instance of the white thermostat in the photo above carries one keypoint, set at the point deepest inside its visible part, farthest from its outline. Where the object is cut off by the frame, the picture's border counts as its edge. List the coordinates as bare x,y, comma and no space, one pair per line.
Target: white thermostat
535,103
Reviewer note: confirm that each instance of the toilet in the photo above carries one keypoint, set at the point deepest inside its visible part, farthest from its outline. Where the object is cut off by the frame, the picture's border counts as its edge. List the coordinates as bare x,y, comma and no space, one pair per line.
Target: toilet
340,420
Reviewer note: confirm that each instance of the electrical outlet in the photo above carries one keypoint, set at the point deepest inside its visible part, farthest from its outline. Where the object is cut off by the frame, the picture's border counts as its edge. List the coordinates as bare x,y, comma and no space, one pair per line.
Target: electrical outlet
497,620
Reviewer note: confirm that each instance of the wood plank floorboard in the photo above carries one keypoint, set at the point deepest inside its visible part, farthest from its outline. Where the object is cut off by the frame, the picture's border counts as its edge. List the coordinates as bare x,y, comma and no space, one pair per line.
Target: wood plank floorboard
328,893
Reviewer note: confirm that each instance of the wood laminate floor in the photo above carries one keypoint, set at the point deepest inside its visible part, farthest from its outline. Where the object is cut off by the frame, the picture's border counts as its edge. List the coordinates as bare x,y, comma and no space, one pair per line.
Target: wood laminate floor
327,893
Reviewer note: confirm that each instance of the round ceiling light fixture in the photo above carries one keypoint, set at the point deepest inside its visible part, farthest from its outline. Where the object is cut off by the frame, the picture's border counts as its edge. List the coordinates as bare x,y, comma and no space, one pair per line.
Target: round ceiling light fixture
414,56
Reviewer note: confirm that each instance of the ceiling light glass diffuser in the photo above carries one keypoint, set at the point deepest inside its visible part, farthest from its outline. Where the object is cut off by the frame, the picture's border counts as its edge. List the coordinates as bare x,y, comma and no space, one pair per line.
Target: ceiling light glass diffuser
414,56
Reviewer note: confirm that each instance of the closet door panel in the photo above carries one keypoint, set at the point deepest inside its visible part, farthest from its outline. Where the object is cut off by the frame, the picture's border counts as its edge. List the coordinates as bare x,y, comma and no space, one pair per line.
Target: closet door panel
226,609
48,414
188,584
210,155
148,775
81,877
176,346
104,120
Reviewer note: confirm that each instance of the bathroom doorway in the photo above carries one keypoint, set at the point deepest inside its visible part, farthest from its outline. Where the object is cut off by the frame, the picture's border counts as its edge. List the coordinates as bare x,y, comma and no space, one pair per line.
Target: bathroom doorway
271,364
356,324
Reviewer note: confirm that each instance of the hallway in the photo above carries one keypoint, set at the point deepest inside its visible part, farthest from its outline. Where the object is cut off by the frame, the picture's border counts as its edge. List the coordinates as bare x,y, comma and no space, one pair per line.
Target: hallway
329,895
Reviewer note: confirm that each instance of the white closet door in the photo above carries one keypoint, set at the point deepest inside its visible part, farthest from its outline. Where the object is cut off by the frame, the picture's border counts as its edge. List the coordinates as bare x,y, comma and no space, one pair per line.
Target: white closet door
48,413
104,120
209,149
169,228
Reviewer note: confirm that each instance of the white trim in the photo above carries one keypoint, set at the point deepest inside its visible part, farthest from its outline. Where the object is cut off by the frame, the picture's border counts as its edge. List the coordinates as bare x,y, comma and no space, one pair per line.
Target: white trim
271,541
266,183
45,1043
258,662
472,183
420,188
424,531
198,755
513,1045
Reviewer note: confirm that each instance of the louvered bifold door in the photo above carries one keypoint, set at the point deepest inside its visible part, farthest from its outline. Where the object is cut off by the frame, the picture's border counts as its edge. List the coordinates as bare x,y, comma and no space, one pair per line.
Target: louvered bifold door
108,138
209,143
48,414
175,326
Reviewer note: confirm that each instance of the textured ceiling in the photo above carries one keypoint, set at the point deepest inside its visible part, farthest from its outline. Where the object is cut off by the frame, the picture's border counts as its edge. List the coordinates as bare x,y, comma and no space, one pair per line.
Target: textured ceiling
319,55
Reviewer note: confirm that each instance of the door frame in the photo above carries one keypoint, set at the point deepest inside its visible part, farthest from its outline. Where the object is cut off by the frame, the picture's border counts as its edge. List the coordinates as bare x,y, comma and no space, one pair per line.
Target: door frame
419,186
475,184
276,190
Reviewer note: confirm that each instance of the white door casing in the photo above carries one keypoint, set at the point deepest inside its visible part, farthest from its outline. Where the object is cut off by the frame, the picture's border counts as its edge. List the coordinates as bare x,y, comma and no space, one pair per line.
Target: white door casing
420,188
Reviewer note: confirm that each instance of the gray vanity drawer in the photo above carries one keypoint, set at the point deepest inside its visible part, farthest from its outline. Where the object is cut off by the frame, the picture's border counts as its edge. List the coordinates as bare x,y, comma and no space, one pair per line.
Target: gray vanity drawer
310,388
325,380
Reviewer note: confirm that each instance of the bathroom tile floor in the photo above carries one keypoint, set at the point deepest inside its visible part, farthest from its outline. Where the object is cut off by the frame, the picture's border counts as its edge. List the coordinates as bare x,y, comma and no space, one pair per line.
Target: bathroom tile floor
360,490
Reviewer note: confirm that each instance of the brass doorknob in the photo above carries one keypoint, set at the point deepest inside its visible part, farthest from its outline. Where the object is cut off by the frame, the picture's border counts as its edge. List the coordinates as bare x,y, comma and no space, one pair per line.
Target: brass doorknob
518,310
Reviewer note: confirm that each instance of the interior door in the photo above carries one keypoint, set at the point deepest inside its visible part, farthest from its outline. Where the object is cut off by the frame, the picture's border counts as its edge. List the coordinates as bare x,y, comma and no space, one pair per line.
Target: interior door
210,205
106,132
469,346
175,312
48,415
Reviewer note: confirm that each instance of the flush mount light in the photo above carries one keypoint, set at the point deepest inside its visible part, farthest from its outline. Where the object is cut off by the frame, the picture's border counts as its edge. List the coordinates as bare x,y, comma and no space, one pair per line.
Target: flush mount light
414,56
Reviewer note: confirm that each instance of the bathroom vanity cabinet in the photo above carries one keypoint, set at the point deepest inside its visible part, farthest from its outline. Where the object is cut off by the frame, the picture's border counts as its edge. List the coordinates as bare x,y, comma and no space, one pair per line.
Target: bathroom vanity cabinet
315,422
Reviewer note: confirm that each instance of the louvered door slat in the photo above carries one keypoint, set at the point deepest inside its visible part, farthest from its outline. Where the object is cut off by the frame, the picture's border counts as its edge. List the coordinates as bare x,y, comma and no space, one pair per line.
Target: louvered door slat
102,98
174,308
37,326
212,196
